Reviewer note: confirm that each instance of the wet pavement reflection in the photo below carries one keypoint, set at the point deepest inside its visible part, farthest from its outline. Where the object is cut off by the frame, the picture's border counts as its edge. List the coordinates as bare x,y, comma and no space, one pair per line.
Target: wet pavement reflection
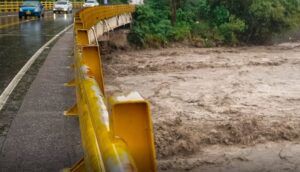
20,39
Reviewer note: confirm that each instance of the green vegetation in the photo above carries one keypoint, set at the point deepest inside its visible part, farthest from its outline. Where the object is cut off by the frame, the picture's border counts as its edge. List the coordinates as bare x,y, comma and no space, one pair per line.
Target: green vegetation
112,2
212,22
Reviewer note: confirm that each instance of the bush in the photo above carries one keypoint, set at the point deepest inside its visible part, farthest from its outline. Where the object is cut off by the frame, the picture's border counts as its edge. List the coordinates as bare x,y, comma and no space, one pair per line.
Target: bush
230,29
271,16
146,25
152,27
181,32
226,21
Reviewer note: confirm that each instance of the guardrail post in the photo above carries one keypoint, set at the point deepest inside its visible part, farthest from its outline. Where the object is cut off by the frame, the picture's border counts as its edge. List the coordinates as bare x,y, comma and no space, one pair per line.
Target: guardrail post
5,6
78,25
131,120
91,57
82,37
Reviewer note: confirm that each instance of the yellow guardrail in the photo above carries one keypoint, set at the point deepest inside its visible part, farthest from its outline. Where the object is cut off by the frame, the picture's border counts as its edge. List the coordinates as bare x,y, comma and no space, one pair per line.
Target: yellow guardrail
90,16
13,6
116,131
10,6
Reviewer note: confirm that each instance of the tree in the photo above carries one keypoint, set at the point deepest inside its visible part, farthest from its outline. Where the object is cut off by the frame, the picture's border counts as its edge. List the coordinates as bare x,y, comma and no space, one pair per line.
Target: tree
173,11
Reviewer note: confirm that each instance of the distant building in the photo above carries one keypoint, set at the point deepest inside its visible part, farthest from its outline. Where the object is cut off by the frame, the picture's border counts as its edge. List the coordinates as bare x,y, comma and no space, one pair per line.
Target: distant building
136,1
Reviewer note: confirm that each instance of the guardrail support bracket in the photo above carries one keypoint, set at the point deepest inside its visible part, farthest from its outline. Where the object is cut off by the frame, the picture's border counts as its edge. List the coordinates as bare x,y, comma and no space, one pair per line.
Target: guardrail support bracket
71,83
91,58
73,111
72,66
78,167
131,120
82,37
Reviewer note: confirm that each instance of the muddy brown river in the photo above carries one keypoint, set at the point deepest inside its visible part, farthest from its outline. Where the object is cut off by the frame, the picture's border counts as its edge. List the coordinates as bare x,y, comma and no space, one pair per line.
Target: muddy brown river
217,109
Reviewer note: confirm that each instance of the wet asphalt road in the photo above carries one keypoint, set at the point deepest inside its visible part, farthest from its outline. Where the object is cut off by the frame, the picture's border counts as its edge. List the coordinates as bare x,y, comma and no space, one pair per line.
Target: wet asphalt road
20,39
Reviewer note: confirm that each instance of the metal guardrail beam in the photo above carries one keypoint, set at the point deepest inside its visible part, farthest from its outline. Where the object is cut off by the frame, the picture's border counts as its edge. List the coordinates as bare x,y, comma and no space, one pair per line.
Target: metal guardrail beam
116,132
91,16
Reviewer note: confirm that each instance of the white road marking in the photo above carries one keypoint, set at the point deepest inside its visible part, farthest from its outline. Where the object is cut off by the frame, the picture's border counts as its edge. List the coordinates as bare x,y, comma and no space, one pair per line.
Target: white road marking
12,15
9,89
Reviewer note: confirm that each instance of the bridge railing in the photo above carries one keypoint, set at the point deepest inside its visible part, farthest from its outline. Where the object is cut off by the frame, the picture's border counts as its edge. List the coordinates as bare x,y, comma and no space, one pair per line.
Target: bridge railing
14,6
116,131
10,6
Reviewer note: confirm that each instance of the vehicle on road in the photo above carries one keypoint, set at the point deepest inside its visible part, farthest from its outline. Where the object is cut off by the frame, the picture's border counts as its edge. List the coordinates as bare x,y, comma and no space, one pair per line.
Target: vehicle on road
31,8
62,6
90,3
